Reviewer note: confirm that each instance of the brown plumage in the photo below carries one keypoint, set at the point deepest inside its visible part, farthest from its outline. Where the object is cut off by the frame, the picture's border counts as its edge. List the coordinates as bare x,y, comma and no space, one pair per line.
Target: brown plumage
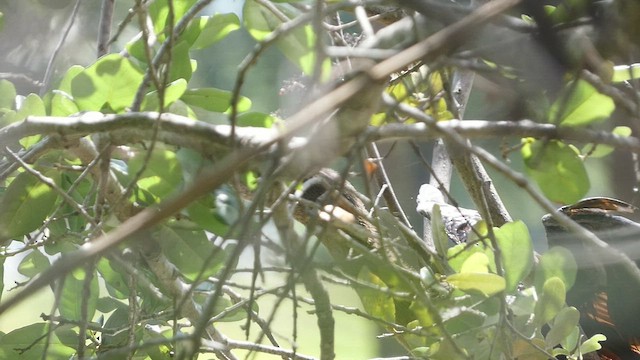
608,299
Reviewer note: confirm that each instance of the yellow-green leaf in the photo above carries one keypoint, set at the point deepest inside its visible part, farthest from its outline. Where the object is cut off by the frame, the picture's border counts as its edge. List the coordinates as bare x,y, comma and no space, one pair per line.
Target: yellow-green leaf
25,204
551,301
516,249
556,168
485,283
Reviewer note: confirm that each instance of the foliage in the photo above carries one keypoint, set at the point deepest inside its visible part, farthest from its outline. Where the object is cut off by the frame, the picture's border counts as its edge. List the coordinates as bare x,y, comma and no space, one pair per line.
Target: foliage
135,215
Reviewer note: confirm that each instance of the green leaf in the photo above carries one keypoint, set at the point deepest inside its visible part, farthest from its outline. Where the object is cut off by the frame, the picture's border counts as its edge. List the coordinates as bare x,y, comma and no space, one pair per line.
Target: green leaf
62,104
215,100
112,80
7,94
118,320
65,83
191,252
208,30
599,150
159,13
582,106
255,119
592,344
476,263
115,281
557,169
204,213
458,255
162,174
564,324
31,106
625,72
298,45
25,204
551,301
33,264
485,283
516,251
74,293
29,343
376,303
556,262
440,238
459,320
181,66
172,93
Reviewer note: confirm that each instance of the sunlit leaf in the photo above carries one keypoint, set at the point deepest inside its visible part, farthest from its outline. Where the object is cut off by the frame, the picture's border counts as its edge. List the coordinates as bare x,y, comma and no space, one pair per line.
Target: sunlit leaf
207,30
516,251
65,82
112,80
7,94
159,13
581,104
600,150
34,263
172,93
255,119
551,301
592,344
62,104
478,262
32,105
564,324
485,283
375,303
162,172
298,45
556,262
626,72
458,255
557,169
25,204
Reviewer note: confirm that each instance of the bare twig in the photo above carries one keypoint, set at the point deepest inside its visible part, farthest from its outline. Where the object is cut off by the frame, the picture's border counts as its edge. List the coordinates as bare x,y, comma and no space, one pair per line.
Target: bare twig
49,71
104,29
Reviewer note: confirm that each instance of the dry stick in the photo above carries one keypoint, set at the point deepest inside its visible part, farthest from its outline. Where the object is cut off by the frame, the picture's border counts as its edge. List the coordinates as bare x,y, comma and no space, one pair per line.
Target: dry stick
441,165
104,29
387,189
49,71
202,136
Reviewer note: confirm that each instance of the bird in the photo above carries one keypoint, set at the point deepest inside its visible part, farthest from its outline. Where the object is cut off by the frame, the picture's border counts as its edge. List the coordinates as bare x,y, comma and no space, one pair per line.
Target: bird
458,222
327,196
604,293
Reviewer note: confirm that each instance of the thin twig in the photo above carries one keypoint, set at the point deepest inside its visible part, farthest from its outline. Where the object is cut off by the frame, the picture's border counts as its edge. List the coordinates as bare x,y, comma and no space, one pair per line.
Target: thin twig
104,29
49,71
